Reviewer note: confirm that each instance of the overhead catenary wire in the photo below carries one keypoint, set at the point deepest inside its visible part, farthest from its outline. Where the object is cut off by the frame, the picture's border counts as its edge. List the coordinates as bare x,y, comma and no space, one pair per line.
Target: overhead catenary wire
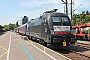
39,8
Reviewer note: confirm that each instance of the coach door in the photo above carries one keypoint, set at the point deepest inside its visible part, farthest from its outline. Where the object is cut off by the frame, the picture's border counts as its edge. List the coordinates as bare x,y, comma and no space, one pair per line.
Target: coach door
43,28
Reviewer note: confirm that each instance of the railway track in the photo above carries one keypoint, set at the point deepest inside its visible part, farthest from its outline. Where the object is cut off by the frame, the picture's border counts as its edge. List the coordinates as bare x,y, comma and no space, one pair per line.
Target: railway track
79,51
83,45
77,56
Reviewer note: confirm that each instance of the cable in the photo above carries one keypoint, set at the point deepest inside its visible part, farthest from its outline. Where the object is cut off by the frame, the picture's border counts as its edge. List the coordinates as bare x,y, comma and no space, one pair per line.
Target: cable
38,8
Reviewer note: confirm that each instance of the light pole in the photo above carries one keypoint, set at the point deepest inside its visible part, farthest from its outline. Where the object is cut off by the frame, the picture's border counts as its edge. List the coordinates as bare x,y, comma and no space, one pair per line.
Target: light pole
66,6
71,10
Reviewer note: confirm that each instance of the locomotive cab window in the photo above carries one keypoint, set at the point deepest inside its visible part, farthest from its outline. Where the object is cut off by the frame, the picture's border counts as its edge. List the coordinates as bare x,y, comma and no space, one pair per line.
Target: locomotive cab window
56,21
44,20
65,21
61,21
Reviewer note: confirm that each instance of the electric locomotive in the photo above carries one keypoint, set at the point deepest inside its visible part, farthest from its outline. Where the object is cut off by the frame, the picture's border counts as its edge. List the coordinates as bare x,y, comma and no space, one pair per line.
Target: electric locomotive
52,29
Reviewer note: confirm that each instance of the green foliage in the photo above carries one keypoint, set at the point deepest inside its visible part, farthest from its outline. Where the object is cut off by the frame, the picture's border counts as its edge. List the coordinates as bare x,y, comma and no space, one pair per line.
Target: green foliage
80,18
17,24
6,27
9,27
89,31
87,12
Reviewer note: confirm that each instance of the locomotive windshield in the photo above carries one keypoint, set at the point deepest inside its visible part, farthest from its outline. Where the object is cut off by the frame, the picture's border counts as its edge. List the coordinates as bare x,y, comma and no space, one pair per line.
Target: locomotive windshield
64,21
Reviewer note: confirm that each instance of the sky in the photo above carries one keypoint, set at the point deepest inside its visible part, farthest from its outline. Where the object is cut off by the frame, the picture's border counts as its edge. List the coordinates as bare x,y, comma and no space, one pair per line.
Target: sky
12,11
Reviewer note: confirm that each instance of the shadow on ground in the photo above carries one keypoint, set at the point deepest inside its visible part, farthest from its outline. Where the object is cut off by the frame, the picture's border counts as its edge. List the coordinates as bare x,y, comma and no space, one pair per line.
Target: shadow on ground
72,48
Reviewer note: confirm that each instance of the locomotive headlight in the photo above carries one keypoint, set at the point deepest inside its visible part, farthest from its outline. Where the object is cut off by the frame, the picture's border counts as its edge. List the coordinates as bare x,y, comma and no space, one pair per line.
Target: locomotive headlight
52,31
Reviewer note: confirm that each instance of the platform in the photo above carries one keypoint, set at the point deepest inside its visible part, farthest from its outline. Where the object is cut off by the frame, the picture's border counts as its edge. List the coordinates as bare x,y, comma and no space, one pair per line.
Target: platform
83,41
14,47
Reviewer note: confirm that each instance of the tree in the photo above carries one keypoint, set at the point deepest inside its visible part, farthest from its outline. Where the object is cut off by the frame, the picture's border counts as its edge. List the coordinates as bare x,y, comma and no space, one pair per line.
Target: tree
17,24
9,27
83,12
87,12
80,18
6,27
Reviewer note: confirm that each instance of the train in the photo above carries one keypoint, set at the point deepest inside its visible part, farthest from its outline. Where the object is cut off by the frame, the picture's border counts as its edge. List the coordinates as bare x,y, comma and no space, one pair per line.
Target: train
52,29
82,31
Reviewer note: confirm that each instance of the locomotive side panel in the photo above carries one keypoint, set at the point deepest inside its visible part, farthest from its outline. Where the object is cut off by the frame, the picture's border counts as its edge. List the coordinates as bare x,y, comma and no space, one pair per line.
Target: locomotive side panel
35,28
